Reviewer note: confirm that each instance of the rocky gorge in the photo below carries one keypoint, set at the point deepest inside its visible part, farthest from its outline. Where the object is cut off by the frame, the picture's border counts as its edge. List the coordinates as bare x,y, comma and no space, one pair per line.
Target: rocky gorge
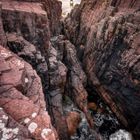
72,78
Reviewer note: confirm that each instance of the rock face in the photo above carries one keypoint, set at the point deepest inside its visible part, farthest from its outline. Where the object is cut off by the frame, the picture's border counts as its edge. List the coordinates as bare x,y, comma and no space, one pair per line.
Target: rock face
22,112
26,31
57,80
109,37
54,12
76,78
52,7
2,33
27,19
42,70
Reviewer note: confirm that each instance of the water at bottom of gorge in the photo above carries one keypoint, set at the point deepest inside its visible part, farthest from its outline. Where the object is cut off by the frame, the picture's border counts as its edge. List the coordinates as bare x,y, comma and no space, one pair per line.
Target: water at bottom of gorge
106,124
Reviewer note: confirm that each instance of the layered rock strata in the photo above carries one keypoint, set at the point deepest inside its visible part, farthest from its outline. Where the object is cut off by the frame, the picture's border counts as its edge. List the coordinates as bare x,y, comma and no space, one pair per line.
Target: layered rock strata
99,51
107,41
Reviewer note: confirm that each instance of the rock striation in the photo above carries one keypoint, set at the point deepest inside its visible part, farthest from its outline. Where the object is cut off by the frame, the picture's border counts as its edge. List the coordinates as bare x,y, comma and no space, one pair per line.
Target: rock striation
109,37
58,76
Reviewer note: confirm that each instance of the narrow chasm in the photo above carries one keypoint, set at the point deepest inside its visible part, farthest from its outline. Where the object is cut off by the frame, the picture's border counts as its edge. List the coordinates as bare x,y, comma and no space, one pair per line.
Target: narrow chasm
69,70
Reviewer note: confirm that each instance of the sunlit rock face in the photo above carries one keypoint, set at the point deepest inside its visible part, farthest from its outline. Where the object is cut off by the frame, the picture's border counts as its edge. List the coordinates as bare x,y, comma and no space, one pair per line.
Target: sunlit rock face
23,113
66,6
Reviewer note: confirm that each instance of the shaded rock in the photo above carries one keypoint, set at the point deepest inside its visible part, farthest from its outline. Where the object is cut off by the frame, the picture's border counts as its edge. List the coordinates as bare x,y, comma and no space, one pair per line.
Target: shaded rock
110,35
2,33
54,12
76,78
57,81
27,19
29,52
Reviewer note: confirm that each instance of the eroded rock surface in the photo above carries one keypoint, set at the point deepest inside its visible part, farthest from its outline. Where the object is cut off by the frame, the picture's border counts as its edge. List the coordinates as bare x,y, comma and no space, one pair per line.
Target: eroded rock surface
23,111
108,32
98,53
76,78
26,32
28,28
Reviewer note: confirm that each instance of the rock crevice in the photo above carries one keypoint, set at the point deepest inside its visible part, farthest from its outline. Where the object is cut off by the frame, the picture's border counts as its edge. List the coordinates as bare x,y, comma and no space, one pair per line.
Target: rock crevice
77,69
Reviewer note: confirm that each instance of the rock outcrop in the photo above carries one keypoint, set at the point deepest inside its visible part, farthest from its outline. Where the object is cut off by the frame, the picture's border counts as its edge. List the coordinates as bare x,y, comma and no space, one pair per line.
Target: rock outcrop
2,33
43,72
76,77
109,33
23,112
27,19
26,31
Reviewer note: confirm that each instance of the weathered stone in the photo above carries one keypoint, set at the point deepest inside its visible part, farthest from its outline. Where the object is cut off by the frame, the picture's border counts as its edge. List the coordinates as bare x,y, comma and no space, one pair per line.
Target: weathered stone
27,19
23,102
110,35
104,35
57,81
2,33
76,78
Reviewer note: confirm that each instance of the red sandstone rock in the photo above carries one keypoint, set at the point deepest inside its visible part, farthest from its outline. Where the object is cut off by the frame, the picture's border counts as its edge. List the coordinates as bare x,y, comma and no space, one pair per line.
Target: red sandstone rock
109,32
106,34
2,34
25,109
51,7
54,12
28,25
27,19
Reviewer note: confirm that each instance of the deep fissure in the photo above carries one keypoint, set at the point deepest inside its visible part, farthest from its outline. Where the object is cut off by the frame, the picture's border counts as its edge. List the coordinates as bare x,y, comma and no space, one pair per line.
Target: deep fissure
88,63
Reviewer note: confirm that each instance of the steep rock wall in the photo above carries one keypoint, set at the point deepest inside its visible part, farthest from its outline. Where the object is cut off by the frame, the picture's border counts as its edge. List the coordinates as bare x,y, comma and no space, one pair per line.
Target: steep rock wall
26,30
106,35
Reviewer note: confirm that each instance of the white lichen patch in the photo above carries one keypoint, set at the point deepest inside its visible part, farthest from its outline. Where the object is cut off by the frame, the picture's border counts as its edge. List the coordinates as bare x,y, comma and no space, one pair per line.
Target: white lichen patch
5,117
2,125
34,115
18,63
27,120
32,127
5,53
3,139
16,130
1,108
26,80
8,133
45,132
